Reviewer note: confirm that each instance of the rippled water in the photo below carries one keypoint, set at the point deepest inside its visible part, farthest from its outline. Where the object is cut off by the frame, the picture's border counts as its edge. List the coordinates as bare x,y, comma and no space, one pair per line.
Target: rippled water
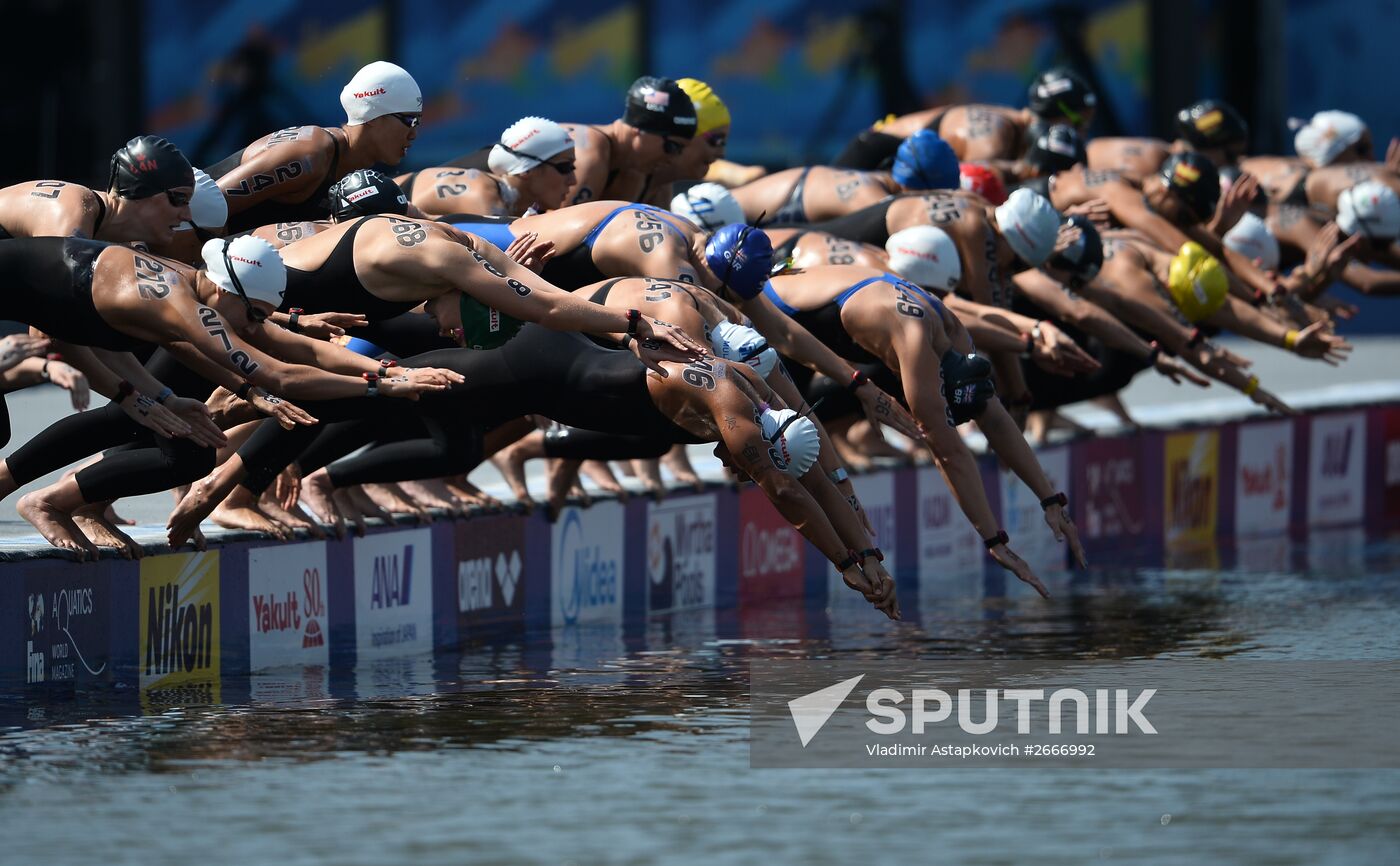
603,745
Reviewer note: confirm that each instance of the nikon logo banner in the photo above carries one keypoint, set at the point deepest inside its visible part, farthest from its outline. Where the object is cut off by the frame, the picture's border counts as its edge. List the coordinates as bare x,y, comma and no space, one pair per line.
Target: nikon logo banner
179,636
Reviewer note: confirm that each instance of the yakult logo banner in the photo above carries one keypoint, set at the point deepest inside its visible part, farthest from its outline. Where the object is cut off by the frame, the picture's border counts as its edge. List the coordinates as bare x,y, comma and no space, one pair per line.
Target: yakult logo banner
681,553
1264,478
1080,714
393,593
947,541
287,606
770,551
1192,487
1336,469
587,571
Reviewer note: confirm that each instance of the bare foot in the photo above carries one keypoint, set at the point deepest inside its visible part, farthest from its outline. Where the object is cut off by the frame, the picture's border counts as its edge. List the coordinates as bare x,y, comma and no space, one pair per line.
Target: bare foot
433,493
366,505
185,519
510,462
92,520
393,500
346,505
250,518
677,461
57,528
316,492
293,518
111,516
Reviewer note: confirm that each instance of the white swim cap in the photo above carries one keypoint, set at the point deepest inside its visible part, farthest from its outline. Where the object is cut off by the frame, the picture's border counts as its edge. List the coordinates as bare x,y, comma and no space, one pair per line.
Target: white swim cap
709,206
1371,208
208,206
737,343
926,256
1252,239
527,143
797,448
378,89
1323,138
1030,224
258,266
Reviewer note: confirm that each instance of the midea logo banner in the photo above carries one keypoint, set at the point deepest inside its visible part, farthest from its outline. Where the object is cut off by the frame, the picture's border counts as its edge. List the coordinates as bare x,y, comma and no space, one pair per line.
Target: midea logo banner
1214,713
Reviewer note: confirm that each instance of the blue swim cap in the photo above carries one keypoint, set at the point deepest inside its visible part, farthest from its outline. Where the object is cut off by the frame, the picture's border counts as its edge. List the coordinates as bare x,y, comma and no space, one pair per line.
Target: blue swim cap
925,161
741,256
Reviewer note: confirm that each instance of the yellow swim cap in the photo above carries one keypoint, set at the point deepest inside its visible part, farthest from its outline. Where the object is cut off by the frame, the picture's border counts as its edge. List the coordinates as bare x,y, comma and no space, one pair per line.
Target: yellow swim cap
710,110
1197,282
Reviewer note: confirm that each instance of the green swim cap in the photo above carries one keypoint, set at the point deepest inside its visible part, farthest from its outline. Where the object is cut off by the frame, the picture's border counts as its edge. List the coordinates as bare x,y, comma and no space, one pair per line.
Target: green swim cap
484,327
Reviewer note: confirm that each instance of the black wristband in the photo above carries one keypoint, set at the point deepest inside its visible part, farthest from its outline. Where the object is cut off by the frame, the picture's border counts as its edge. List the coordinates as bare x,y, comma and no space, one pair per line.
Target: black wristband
872,551
293,317
1000,538
1154,355
1196,338
244,390
372,384
858,378
124,389
852,559
634,317
1059,499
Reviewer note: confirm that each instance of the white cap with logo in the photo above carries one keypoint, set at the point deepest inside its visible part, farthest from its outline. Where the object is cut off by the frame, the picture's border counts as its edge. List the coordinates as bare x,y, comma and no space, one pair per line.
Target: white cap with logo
257,266
1252,239
925,256
1323,138
208,207
1030,225
795,448
1371,208
527,143
708,205
738,343
378,89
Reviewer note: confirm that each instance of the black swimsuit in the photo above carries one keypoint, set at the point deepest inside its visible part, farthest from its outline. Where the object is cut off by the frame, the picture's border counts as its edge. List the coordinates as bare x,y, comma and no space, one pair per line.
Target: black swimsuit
47,283
558,374
867,225
316,206
335,287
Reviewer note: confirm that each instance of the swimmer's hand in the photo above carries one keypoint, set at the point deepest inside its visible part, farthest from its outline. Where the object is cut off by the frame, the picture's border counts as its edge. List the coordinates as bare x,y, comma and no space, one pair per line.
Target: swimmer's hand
288,415
413,383
1060,523
434,376
1177,372
652,352
203,430
881,408
1056,353
1272,403
1097,210
871,580
1315,342
19,347
1007,559
153,416
529,251
1068,235
1234,203
668,334
73,381
324,326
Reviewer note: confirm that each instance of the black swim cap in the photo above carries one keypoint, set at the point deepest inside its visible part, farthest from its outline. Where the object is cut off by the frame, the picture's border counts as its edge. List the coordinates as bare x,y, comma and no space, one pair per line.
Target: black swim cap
967,385
365,192
1055,147
148,165
1195,180
1084,258
1211,123
659,105
1061,93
